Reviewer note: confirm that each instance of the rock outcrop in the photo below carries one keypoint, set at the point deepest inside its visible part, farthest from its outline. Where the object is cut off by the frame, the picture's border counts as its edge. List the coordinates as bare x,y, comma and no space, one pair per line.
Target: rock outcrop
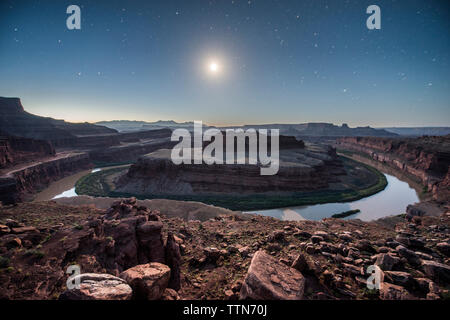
225,256
16,150
19,182
94,286
425,159
147,280
301,169
268,279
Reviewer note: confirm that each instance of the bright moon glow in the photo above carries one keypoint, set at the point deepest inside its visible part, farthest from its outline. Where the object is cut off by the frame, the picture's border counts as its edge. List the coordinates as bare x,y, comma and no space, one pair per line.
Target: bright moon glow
213,67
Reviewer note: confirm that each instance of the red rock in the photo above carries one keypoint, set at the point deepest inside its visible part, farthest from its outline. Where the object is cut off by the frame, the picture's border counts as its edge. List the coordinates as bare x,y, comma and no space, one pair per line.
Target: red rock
95,286
147,280
150,240
173,260
170,294
267,279
437,271
24,230
393,292
386,261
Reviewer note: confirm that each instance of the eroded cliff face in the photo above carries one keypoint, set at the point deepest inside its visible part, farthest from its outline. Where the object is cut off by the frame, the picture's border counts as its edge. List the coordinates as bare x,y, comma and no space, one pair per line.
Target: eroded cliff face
303,169
15,150
426,159
19,183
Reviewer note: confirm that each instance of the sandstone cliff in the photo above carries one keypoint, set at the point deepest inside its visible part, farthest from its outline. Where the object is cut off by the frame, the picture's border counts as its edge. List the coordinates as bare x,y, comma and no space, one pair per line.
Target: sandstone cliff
426,159
301,169
15,150
19,182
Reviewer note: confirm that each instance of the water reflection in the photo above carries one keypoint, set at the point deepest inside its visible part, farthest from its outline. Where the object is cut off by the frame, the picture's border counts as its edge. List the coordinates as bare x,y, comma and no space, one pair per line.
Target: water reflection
391,201
64,187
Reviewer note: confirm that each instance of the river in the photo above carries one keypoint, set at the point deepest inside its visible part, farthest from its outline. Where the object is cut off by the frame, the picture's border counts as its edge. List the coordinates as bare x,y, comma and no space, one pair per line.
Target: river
64,187
391,201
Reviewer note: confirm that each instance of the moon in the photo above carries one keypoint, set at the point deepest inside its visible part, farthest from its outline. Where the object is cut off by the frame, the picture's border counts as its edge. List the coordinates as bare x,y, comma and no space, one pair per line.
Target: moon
213,67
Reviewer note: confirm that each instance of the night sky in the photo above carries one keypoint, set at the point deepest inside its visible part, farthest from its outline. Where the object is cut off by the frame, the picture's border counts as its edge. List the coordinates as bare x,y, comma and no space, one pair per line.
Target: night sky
278,61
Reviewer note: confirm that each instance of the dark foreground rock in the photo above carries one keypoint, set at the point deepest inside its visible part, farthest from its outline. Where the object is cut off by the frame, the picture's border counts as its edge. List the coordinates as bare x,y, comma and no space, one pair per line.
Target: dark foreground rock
222,257
268,279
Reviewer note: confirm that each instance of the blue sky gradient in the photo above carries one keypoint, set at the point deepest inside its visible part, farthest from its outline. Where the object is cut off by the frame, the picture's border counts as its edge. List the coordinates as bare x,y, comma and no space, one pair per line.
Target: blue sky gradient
281,61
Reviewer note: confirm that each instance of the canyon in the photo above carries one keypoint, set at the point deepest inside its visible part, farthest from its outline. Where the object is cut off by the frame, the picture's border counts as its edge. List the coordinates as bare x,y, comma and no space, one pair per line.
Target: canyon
301,169
425,160
34,150
162,249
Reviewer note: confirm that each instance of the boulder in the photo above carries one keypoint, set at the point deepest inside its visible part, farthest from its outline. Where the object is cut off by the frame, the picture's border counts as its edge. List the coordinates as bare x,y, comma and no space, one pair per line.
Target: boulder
394,292
444,248
437,271
147,280
403,279
94,286
300,263
277,235
409,255
268,279
386,261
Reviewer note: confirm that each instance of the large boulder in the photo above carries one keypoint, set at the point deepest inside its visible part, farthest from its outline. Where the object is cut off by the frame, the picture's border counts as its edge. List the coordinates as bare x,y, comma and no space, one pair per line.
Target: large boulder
94,286
437,271
147,280
409,255
400,278
386,261
268,279
394,292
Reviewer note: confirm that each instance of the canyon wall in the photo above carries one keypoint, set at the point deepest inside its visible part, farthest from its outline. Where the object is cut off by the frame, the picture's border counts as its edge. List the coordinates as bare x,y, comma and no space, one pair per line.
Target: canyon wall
18,185
425,159
302,169
15,150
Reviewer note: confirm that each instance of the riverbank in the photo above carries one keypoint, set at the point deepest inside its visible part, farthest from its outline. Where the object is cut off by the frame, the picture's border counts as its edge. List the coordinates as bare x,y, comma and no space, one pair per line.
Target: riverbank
101,184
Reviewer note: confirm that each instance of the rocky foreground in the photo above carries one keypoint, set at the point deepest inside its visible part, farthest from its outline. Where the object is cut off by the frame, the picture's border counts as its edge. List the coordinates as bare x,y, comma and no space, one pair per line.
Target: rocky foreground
131,252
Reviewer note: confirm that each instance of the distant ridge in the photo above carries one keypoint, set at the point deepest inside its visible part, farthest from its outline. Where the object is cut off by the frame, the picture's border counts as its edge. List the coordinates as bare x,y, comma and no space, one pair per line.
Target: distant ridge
314,129
419,131
15,121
